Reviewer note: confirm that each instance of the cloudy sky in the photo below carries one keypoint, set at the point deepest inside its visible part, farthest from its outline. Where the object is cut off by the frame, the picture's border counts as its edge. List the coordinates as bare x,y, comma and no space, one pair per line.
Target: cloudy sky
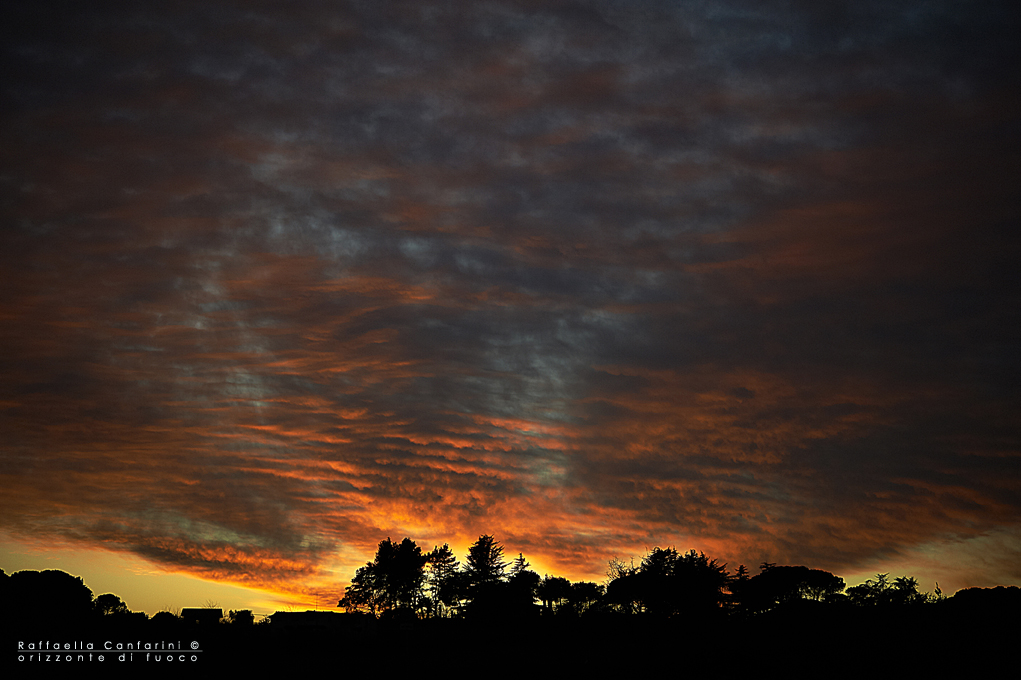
282,279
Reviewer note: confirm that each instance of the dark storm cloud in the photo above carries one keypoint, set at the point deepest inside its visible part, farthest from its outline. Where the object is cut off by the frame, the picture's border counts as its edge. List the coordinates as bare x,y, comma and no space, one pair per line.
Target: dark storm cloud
281,279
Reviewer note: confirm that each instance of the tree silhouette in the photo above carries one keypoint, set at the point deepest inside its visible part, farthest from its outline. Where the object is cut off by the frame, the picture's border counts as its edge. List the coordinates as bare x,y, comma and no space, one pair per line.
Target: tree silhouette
821,585
484,579
393,580
48,596
109,604
443,580
523,586
881,592
484,565
519,564
668,583
552,591
739,588
627,593
622,590
240,617
616,568
166,620
584,595
364,593
779,585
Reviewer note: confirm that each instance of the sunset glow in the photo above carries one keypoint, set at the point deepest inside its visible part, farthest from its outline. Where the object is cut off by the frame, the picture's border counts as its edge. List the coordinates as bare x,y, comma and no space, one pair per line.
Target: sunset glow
282,281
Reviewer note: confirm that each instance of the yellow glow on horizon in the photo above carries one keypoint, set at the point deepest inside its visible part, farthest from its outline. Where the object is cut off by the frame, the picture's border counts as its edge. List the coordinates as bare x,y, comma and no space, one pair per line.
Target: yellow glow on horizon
140,584
953,563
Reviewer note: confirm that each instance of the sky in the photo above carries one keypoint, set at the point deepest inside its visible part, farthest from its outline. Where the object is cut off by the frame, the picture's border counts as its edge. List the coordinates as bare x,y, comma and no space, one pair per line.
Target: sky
283,279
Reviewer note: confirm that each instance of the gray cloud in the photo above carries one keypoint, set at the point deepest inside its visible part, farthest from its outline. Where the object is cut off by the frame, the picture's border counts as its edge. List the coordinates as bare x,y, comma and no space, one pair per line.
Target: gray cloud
291,277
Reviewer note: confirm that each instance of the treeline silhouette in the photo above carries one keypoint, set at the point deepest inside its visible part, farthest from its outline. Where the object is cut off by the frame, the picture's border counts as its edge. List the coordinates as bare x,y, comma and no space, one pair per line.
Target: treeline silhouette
667,603
404,583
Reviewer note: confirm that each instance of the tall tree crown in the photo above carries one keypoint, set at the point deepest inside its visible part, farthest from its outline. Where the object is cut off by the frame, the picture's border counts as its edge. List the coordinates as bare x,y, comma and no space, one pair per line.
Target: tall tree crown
393,580
485,563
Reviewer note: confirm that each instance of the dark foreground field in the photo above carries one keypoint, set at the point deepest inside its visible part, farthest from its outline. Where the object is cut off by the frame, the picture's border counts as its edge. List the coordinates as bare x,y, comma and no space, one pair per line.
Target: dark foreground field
801,642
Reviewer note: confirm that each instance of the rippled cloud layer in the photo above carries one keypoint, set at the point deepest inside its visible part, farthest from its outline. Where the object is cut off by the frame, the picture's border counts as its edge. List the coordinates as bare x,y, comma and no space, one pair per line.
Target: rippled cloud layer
282,279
